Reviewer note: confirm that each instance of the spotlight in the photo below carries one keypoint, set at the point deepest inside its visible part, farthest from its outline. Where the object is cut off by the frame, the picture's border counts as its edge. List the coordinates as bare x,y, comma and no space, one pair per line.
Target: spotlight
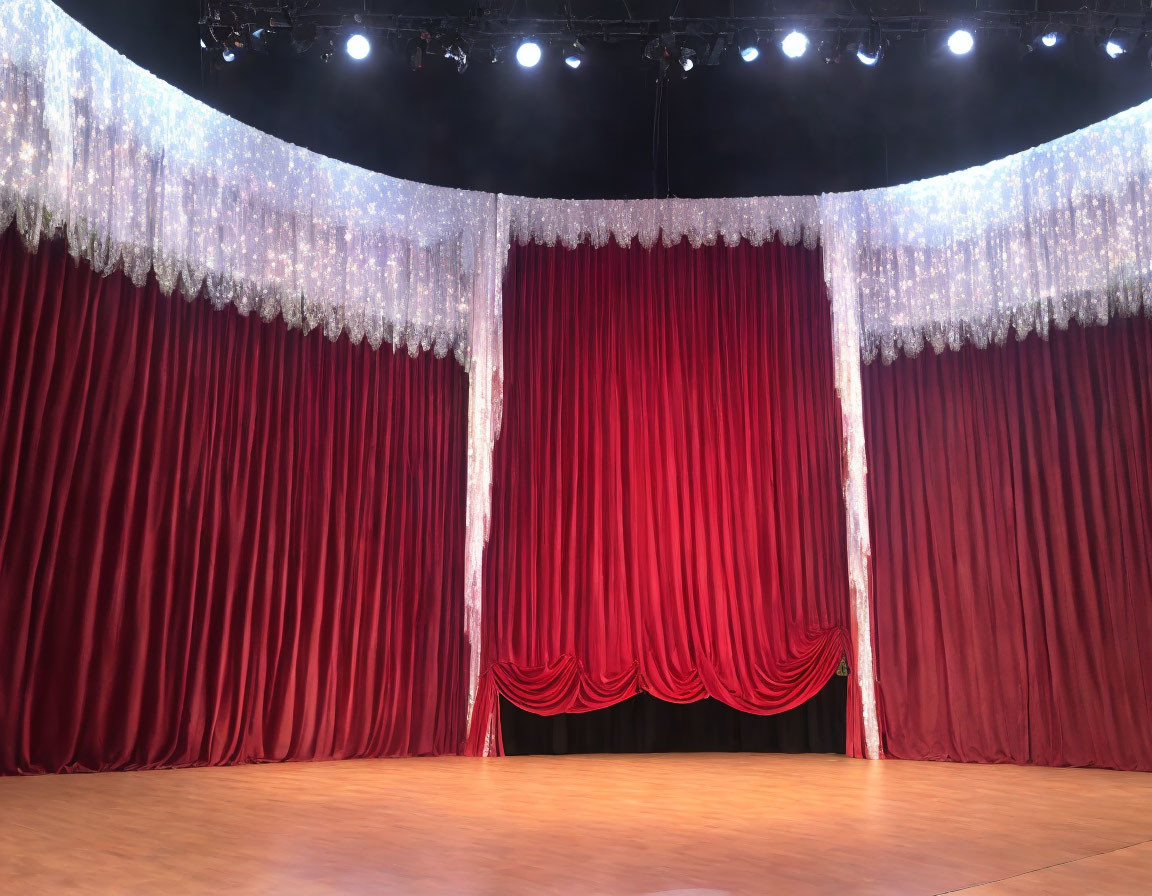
574,58
1113,48
358,47
1050,38
528,53
746,41
795,44
961,41
687,62
228,55
868,56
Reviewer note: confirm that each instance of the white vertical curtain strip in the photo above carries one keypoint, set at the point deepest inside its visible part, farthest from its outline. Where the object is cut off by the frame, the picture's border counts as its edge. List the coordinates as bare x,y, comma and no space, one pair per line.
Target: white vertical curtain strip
485,410
847,362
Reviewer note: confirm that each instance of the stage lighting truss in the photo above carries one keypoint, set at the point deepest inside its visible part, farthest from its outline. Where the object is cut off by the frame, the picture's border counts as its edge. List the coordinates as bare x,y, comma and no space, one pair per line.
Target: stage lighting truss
677,44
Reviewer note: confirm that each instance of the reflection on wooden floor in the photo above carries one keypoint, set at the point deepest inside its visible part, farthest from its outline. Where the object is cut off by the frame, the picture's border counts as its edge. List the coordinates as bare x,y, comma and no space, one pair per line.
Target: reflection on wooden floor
699,824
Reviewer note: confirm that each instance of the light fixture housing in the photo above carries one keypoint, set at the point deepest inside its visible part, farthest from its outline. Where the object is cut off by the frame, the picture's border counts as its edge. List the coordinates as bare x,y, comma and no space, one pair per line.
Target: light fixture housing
455,50
746,42
574,58
209,39
715,49
1114,48
870,48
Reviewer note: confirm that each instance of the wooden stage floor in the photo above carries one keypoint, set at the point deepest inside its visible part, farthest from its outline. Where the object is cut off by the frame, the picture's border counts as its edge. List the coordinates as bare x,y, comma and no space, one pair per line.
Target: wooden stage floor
692,825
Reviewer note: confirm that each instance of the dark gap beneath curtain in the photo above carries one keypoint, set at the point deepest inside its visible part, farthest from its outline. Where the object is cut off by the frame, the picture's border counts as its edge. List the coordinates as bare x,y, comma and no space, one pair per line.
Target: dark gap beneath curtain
644,724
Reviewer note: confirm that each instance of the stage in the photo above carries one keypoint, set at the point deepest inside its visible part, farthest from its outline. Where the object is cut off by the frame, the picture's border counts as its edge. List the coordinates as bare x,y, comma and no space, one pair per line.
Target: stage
641,824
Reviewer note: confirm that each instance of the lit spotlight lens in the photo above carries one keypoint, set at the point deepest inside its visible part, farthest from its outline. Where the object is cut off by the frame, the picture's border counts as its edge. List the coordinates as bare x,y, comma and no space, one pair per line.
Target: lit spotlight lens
750,54
358,46
867,58
1113,49
229,55
1050,39
572,61
794,45
528,53
961,42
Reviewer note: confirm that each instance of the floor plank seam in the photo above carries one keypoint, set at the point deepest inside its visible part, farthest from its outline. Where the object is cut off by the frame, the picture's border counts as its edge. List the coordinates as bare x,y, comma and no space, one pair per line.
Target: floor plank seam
1001,880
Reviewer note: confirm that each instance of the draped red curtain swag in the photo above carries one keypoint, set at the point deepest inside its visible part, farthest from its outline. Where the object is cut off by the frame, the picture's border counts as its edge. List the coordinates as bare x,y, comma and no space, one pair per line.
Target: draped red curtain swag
666,510
220,540
1011,506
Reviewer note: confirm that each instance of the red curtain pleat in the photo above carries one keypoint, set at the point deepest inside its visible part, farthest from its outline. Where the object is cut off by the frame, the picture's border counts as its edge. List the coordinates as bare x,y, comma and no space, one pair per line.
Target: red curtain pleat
221,540
666,507
1011,505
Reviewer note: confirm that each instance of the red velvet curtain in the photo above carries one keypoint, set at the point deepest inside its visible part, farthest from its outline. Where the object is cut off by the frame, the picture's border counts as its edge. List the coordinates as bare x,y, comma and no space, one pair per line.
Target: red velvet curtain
220,540
1011,503
666,510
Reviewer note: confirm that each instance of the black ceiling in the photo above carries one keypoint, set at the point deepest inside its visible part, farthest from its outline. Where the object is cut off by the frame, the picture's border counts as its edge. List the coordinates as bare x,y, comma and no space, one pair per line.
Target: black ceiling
771,127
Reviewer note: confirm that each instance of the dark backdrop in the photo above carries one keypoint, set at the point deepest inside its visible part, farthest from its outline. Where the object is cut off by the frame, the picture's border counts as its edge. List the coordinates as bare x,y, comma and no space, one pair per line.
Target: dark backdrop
767,128
643,724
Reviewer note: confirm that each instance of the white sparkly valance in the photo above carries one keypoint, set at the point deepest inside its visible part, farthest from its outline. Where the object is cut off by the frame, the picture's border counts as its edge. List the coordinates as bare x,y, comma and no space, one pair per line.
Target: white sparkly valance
140,176
791,219
1057,233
